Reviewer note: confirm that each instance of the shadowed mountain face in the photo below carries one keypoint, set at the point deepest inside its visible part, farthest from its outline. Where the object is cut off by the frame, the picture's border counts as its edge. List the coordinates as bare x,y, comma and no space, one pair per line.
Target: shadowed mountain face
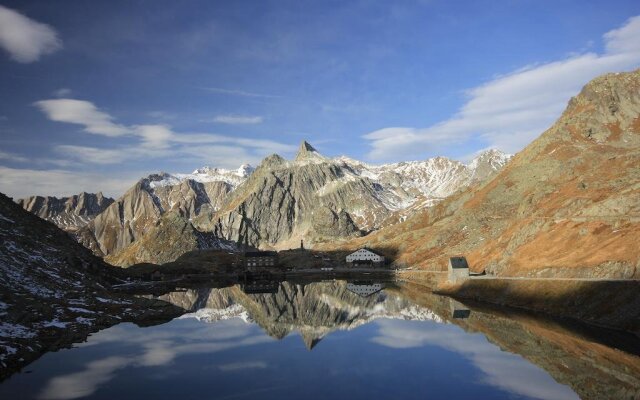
567,205
68,213
53,291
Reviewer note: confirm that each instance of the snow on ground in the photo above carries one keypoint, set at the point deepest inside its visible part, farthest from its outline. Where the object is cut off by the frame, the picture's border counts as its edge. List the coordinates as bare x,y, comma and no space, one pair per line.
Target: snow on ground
221,314
55,323
8,330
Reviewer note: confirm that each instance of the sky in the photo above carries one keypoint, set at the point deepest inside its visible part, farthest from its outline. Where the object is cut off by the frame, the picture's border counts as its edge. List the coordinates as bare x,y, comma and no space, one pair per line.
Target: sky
96,95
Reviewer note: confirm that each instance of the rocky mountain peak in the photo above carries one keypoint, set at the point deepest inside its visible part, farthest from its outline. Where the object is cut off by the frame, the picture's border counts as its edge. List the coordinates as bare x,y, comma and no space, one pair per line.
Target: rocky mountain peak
307,152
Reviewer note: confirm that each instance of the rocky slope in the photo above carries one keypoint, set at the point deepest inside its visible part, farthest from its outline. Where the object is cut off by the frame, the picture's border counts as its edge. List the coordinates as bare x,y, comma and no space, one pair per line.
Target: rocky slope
165,242
567,205
68,213
53,291
140,209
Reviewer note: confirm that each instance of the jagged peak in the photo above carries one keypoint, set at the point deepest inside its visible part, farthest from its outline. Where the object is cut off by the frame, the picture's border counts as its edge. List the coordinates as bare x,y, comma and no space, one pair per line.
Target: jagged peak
495,157
307,152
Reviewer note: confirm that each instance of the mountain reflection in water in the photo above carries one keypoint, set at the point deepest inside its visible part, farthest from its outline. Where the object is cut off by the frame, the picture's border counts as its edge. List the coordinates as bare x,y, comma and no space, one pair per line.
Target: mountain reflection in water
367,340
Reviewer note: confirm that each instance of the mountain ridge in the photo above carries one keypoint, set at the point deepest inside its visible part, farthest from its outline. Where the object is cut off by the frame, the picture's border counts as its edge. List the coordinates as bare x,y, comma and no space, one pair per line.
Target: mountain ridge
568,205
313,198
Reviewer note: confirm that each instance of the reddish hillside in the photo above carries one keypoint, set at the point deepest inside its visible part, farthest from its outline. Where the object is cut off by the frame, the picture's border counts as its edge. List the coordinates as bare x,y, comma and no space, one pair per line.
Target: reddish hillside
567,205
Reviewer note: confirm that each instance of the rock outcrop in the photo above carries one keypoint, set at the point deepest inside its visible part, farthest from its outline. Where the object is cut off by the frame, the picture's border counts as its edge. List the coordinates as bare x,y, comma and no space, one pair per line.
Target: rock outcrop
141,208
68,213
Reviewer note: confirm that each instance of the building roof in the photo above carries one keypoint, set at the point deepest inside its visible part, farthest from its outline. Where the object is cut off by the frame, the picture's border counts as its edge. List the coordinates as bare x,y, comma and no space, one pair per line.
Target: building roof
458,262
260,253
369,250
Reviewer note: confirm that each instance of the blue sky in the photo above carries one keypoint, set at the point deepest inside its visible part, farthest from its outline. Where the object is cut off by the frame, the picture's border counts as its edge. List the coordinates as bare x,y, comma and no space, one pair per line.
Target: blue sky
95,95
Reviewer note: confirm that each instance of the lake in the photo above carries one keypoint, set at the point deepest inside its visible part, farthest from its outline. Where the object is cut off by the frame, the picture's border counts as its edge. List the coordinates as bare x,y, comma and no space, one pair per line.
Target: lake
338,340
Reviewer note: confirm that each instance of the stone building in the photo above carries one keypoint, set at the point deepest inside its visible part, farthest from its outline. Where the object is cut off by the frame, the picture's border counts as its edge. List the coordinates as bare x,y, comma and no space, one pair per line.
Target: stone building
257,260
458,269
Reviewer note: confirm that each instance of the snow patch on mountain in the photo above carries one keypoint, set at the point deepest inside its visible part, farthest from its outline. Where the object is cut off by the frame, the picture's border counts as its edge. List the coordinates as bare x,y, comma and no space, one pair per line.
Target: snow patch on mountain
204,175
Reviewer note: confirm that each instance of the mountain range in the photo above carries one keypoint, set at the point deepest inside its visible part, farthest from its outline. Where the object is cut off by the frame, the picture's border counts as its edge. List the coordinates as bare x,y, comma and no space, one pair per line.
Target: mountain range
312,198
567,205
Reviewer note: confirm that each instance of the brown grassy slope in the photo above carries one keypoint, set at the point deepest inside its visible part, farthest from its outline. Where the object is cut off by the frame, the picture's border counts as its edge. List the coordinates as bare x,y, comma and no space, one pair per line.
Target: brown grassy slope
567,205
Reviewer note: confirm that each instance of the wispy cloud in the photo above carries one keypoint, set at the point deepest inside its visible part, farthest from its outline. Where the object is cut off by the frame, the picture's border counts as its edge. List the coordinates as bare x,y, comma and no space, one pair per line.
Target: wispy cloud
84,113
24,39
242,366
154,348
510,111
24,182
235,92
11,157
500,369
84,383
62,92
237,119
153,138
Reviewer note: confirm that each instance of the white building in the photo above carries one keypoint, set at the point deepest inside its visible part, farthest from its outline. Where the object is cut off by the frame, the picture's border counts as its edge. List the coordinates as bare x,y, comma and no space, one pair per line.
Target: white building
364,289
365,256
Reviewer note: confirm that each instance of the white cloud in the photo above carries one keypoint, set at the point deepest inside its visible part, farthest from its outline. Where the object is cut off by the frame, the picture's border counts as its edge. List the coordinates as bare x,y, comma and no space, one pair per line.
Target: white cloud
62,92
238,119
154,140
242,366
153,348
241,93
84,113
93,155
84,383
19,183
504,370
12,157
512,110
24,39
154,136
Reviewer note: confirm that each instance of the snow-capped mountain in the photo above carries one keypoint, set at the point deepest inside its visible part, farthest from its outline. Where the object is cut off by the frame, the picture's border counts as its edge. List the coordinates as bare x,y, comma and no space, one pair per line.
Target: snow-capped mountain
204,175
312,197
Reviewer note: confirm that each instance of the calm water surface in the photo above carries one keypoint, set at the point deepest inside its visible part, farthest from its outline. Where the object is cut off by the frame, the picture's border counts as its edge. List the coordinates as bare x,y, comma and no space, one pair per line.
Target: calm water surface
321,340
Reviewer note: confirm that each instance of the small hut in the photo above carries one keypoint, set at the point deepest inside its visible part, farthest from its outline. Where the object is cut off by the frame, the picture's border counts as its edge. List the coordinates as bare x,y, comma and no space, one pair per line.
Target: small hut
458,269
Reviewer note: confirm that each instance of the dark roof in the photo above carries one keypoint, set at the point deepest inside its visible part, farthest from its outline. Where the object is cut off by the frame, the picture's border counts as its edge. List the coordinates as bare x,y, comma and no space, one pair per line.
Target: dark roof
458,262
260,253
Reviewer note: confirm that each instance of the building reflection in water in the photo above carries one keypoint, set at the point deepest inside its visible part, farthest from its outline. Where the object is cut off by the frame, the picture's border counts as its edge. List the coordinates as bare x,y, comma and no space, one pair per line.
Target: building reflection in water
364,289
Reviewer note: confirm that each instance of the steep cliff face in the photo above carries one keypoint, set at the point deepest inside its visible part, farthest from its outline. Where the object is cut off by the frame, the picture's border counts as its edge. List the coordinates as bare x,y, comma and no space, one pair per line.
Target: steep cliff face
68,213
172,236
567,205
141,207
